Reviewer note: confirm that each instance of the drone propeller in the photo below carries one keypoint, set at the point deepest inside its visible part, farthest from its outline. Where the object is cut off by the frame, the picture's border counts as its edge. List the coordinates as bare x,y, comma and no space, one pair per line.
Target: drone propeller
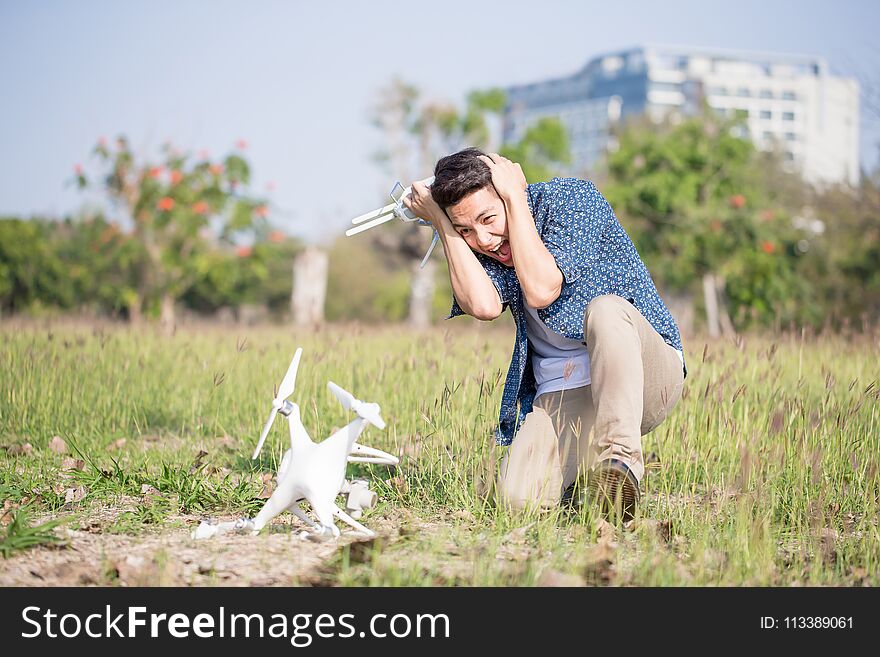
368,412
285,390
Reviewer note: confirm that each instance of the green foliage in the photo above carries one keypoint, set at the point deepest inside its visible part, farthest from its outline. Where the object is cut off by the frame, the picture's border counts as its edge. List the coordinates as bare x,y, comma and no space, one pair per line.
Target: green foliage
249,275
843,263
101,261
93,265
30,274
20,534
695,199
543,149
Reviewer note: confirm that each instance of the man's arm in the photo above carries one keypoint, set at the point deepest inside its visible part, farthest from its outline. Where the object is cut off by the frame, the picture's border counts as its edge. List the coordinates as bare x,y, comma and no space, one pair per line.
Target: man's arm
536,268
474,291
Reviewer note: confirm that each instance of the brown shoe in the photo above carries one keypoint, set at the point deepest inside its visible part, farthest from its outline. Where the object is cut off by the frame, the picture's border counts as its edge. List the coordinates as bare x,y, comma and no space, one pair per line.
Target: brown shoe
616,489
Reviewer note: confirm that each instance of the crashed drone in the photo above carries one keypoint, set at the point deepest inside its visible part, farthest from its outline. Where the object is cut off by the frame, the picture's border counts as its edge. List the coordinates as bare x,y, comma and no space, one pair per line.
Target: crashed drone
315,472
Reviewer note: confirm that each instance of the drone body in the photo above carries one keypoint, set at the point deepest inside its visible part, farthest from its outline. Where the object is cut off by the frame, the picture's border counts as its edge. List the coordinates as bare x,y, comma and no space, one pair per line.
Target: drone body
315,472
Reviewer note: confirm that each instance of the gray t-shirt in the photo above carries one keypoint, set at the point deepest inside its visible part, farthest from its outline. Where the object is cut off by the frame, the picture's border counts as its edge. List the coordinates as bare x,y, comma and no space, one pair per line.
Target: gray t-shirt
559,363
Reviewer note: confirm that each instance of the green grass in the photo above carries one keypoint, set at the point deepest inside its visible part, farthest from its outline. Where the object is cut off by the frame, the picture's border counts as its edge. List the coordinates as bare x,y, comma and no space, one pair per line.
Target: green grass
20,534
769,469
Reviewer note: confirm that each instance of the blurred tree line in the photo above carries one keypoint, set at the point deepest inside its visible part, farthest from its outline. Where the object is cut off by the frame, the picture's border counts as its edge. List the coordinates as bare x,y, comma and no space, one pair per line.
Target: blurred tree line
741,234
90,265
719,224
187,231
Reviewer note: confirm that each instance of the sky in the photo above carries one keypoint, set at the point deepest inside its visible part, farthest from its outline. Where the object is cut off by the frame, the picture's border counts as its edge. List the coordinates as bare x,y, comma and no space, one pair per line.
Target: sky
297,80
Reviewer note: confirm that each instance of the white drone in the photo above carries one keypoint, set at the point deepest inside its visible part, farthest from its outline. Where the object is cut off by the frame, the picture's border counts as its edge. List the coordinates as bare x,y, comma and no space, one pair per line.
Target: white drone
393,210
315,472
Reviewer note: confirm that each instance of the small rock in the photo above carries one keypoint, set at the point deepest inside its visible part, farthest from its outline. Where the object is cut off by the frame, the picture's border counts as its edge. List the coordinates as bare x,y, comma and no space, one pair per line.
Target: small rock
58,445
557,578
146,489
131,569
117,444
20,450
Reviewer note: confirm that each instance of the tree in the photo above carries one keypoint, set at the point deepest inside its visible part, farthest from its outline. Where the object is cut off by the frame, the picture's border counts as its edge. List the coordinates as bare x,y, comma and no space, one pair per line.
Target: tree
173,206
102,262
542,150
695,203
30,271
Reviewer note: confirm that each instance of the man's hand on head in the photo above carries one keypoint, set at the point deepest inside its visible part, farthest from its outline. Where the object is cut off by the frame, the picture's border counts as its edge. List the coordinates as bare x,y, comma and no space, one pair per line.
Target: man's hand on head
423,204
507,177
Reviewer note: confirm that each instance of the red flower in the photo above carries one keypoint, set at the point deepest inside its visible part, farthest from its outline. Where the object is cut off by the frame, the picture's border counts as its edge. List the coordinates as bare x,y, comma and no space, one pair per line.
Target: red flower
276,236
165,204
102,142
768,247
204,154
176,177
737,201
200,207
270,186
155,172
243,251
261,211
216,169
767,215
78,169
715,225
241,144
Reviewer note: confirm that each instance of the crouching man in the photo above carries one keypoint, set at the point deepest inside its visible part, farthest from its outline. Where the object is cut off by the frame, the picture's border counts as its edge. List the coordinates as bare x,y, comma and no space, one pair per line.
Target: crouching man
598,357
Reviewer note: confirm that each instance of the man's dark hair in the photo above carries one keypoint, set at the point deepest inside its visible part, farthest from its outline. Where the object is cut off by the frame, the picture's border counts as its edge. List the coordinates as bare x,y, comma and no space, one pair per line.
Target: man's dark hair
458,175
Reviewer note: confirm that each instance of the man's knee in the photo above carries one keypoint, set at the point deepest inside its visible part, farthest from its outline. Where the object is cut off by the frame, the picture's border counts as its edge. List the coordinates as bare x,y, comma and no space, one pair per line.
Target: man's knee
530,476
606,311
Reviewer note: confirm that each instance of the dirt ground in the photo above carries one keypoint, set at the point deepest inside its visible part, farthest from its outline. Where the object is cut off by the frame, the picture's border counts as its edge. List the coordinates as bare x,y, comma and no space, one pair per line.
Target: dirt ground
91,557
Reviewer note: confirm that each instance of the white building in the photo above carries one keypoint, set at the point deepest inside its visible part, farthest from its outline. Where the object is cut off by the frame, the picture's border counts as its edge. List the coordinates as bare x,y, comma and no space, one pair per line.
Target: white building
793,104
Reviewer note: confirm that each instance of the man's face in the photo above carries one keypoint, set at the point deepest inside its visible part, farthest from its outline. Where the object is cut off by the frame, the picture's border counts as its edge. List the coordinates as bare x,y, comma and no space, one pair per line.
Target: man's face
481,220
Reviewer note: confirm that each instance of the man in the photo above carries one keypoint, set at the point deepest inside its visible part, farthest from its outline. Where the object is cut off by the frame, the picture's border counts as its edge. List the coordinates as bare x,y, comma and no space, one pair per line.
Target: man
598,358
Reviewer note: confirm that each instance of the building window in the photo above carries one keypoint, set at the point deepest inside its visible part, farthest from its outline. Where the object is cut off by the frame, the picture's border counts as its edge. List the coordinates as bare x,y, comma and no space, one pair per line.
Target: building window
766,93
788,95
743,92
766,114
717,91
790,136
788,116
665,86
789,156
768,136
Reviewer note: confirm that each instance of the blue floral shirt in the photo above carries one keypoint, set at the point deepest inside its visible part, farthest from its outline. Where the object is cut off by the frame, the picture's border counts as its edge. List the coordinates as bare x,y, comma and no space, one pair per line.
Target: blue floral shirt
596,257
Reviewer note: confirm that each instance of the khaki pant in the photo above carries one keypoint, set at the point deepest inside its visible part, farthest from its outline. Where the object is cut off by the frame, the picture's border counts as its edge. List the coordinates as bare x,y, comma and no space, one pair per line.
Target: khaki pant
636,381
